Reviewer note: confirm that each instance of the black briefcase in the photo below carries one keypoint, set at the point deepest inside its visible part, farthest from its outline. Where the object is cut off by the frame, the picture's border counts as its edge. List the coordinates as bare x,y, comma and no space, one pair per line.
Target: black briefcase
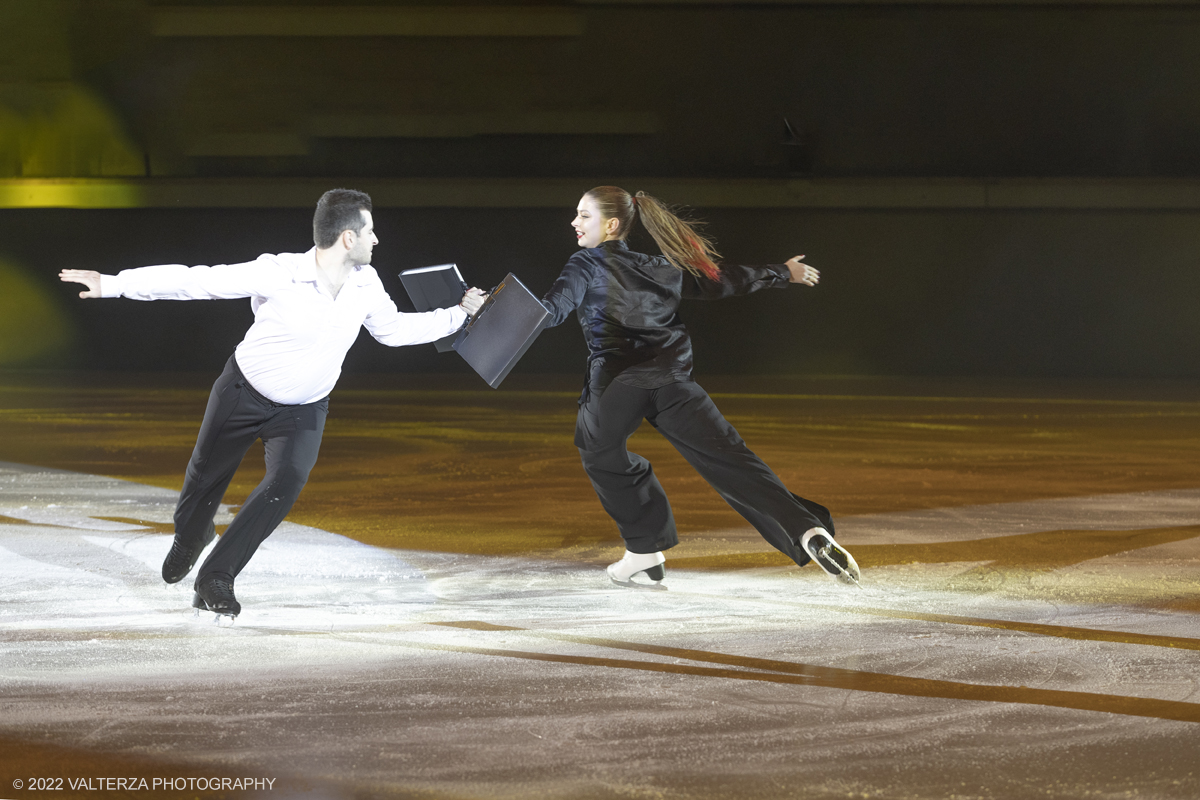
502,330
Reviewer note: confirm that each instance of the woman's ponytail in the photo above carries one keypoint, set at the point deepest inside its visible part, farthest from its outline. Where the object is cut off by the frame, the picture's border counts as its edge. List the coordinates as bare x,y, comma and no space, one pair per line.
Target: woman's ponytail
680,241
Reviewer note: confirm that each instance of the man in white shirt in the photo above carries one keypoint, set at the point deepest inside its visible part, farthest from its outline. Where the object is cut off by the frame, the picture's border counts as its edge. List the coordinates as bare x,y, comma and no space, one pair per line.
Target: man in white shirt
308,308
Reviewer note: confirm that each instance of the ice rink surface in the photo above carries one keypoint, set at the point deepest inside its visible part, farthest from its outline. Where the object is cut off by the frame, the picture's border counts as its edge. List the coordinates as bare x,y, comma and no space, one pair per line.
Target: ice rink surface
356,671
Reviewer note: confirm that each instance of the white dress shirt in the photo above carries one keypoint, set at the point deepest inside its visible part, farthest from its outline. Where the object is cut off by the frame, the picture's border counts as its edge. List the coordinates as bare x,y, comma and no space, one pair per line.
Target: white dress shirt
293,352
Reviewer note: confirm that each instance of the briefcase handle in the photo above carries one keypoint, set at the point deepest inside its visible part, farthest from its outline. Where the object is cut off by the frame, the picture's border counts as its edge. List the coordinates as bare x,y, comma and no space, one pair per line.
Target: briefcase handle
488,303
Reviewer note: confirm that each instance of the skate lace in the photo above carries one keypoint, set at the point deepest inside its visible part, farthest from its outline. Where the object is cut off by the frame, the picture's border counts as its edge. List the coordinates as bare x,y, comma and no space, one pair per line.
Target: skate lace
219,589
179,552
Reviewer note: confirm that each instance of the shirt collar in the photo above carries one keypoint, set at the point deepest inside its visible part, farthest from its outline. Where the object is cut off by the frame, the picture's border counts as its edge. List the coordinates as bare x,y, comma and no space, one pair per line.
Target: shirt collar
308,270
308,266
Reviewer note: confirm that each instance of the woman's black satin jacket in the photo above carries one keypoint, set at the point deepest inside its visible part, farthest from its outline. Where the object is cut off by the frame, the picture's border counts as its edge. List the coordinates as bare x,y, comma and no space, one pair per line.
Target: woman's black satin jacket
628,305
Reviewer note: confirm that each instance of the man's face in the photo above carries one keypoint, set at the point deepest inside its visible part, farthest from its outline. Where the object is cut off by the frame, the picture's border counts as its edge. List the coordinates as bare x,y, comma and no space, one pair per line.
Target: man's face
363,242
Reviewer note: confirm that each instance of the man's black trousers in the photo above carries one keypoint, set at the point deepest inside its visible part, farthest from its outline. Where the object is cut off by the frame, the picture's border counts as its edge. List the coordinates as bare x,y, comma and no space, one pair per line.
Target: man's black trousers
685,414
236,416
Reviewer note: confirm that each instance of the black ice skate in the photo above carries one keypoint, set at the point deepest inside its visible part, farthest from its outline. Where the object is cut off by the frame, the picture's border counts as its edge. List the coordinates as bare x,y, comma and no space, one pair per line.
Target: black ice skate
622,572
831,556
182,558
215,593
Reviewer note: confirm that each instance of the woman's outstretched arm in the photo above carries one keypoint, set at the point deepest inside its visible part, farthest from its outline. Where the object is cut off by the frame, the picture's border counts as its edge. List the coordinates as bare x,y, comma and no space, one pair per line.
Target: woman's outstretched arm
739,280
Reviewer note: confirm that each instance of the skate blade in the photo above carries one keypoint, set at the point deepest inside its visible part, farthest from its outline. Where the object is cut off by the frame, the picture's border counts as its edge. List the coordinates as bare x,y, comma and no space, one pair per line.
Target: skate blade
848,579
220,618
847,573
650,587
656,586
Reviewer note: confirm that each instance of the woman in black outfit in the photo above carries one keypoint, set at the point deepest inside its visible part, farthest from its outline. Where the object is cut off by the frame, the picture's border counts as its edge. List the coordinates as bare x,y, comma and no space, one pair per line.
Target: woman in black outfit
640,367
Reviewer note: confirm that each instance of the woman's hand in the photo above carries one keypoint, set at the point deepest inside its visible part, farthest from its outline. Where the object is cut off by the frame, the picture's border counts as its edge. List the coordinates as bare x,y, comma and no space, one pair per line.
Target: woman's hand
89,278
801,272
472,301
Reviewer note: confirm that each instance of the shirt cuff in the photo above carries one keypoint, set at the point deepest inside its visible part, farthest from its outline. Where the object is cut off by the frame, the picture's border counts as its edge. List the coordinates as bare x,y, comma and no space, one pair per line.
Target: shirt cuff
110,286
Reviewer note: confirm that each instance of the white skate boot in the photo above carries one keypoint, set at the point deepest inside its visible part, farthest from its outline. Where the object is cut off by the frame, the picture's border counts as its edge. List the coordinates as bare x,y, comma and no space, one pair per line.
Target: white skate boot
622,572
830,556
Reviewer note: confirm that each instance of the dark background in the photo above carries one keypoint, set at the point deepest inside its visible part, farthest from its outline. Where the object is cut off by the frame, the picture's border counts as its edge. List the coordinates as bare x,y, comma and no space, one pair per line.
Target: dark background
877,95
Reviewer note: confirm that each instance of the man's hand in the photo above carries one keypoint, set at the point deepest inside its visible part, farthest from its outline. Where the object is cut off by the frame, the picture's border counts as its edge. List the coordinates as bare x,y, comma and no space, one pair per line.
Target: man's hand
801,272
472,300
89,278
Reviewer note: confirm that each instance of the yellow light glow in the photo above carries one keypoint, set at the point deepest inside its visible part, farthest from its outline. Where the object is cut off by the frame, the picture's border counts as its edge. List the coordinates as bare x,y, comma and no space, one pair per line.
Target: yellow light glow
69,193
34,329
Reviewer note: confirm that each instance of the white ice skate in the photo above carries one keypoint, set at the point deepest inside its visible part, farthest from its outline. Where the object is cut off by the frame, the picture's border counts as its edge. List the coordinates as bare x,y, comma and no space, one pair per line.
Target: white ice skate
831,556
622,572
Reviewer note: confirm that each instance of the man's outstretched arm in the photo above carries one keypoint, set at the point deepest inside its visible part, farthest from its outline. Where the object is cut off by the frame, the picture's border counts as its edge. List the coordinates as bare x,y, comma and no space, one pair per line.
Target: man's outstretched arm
396,329
179,282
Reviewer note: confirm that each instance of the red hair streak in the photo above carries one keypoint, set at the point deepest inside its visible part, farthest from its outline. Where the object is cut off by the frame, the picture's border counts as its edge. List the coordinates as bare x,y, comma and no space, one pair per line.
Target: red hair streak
706,267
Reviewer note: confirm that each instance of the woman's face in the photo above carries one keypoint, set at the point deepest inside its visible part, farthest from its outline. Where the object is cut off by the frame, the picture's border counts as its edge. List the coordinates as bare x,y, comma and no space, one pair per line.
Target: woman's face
592,228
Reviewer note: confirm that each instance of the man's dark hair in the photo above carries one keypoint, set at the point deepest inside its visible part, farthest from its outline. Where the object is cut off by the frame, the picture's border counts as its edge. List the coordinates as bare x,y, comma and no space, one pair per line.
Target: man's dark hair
338,210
